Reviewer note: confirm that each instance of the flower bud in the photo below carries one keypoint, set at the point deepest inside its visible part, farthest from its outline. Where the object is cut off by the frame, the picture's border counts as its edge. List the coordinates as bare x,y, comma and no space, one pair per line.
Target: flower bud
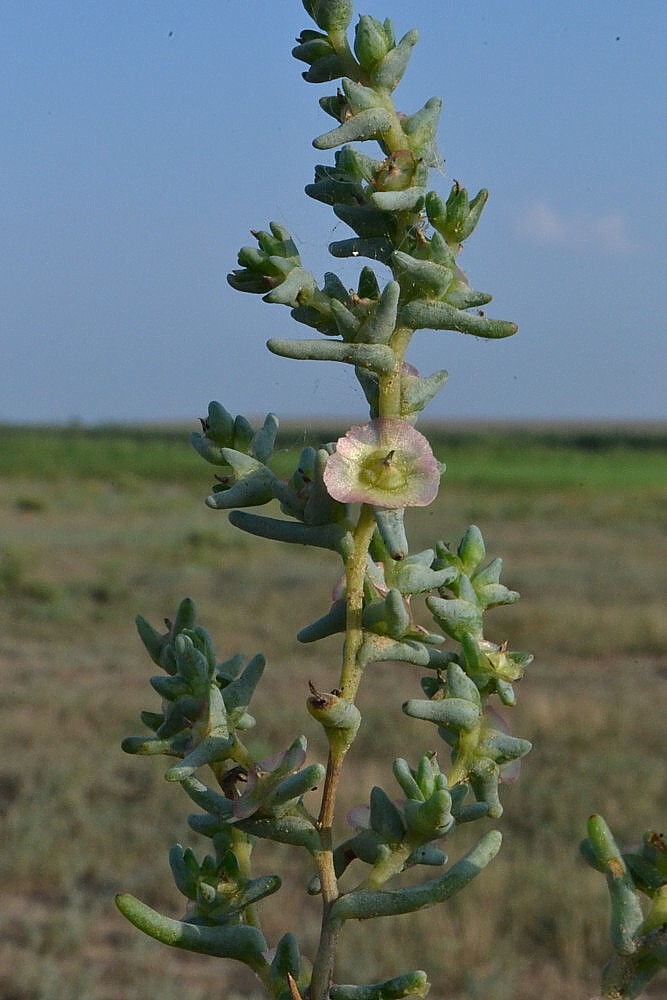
331,16
456,218
339,718
371,43
396,172
462,215
263,268
432,818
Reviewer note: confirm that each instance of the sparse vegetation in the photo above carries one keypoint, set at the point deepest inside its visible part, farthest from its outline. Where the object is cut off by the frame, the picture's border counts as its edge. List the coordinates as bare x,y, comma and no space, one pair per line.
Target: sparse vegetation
582,535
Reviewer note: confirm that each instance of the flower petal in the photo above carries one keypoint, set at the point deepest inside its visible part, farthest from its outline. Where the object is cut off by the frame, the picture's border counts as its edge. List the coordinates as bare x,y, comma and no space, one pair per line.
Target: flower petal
384,463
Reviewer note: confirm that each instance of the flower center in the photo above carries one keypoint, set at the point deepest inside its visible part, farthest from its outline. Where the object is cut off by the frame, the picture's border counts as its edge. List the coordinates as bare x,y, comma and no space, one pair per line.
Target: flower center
383,472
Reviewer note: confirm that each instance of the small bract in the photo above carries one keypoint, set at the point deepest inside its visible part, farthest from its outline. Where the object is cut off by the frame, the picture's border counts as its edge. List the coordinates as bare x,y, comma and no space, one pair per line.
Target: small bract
384,463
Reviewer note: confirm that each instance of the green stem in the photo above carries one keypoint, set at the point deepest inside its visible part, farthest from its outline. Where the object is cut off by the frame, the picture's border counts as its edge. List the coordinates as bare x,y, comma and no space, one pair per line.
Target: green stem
395,139
323,966
242,847
389,389
349,64
355,571
468,743
242,843
350,677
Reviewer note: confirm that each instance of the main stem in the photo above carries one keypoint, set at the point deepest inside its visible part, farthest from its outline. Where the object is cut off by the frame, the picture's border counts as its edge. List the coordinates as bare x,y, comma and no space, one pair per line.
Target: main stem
350,676
389,386
355,570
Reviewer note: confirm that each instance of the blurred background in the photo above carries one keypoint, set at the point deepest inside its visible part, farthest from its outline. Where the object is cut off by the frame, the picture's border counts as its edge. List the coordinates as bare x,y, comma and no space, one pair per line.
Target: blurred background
143,141
97,525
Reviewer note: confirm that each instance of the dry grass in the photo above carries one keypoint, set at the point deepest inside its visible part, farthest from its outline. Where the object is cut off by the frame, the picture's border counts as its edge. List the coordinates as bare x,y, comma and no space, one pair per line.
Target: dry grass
80,821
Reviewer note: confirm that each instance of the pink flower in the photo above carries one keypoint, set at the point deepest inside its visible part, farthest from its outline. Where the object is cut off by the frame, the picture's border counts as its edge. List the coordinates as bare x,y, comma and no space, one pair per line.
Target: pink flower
385,463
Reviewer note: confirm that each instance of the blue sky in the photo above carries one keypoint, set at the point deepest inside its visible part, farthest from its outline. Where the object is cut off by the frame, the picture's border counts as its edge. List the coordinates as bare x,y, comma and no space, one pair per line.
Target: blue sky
143,140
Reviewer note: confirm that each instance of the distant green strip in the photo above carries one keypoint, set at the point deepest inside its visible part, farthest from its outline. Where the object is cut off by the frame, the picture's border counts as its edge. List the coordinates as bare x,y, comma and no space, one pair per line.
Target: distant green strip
536,459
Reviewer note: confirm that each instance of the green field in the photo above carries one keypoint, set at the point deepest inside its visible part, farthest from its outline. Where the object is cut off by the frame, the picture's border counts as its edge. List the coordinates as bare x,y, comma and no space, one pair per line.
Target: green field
97,525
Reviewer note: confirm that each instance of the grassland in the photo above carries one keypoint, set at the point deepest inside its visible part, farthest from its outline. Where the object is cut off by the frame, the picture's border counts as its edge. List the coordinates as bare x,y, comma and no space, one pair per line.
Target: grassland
96,526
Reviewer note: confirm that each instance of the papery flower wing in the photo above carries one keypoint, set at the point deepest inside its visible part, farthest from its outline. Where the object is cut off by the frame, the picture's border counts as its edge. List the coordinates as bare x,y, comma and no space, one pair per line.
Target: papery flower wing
385,463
